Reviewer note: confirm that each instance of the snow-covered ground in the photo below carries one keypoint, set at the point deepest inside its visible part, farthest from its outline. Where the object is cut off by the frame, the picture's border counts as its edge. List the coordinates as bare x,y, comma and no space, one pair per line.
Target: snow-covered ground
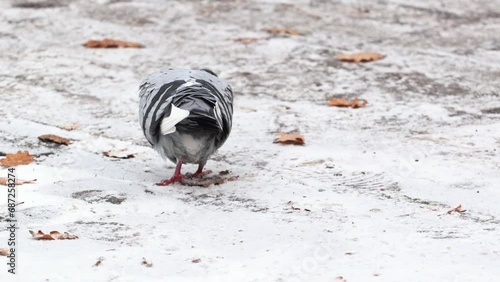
366,198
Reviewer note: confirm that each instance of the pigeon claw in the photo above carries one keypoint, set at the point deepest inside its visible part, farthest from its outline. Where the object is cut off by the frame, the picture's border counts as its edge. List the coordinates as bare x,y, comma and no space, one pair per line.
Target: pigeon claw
173,179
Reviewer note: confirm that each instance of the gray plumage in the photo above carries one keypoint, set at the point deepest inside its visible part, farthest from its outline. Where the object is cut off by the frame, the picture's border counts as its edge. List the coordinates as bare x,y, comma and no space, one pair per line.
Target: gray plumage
186,114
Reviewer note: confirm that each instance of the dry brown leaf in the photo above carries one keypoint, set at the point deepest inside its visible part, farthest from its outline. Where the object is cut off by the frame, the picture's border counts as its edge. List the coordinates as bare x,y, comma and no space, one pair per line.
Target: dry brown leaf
53,235
339,102
196,260
19,158
343,102
358,103
146,263
70,126
4,180
247,40
4,252
99,261
280,30
293,138
54,139
361,57
457,209
111,43
341,278
119,154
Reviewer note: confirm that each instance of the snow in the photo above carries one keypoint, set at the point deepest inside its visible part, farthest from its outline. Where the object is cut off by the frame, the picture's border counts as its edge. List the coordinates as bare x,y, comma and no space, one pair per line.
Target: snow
377,181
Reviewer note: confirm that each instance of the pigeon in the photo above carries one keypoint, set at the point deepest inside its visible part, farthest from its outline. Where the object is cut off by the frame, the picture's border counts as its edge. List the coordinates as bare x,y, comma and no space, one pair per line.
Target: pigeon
186,115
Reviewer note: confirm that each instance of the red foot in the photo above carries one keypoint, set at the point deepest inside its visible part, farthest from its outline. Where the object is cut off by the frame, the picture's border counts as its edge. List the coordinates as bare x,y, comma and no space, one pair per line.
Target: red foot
173,179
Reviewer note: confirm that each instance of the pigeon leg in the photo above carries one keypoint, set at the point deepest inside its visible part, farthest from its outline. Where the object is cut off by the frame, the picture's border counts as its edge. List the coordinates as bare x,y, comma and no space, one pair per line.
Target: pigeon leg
199,172
177,177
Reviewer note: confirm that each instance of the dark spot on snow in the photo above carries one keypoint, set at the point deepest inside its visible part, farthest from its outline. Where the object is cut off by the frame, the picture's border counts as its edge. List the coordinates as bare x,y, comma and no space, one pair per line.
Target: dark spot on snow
260,164
491,111
37,4
81,222
458,113
98,196
418,83
105,231
82,98
83,194
8,35
465,185
116,200
120,14
223,200
423,202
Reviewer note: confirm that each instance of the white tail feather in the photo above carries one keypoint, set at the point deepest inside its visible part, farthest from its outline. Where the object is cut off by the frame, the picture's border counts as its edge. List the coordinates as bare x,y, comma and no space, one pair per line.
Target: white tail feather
168,123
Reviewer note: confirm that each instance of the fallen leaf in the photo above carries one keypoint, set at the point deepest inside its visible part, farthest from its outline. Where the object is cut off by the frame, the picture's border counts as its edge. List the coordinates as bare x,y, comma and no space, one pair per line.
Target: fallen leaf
146,263
247,40
4,252
119,154
341,278
343,102
111,43
54,139
53,235
457,209
339,102
19,158
196,260
99,261
361,57
293,138
3,181
70,126
280,30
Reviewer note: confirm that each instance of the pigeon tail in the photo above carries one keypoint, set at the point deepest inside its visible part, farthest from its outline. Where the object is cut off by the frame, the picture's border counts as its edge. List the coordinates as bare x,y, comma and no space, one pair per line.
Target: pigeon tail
168,122
201,106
